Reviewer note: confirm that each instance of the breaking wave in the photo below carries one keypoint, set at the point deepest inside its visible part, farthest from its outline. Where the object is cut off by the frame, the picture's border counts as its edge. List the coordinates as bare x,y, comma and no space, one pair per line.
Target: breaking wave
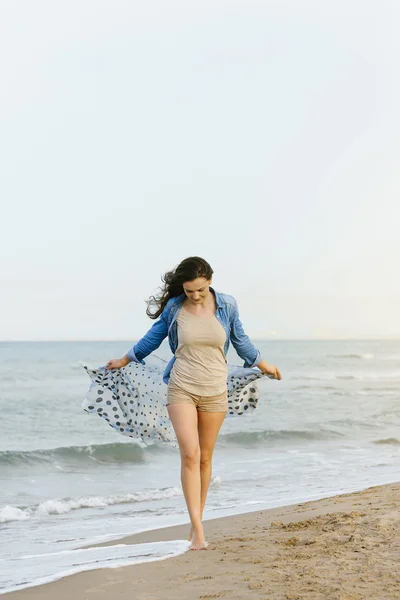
101,453
66,505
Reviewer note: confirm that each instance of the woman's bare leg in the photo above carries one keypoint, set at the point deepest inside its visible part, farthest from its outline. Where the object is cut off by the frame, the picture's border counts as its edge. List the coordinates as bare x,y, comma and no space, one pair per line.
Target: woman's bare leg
184,421
209,424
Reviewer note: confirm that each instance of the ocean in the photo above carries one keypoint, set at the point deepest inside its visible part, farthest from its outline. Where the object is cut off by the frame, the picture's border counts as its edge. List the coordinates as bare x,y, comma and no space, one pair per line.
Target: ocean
67,480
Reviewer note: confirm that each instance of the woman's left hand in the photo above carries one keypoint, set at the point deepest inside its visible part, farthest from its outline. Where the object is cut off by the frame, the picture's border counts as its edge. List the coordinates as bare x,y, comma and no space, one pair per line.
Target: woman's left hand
269,369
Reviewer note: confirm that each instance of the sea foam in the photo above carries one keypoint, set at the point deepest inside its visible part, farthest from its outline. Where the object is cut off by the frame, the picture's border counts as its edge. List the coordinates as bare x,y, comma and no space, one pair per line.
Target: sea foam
63,506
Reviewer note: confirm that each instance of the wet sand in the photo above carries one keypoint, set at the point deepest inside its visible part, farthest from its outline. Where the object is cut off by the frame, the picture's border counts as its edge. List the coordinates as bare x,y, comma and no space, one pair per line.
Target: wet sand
341,548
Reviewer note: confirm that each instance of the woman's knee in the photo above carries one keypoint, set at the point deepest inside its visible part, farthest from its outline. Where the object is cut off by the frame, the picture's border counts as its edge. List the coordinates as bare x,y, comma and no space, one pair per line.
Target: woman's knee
191,456
205,460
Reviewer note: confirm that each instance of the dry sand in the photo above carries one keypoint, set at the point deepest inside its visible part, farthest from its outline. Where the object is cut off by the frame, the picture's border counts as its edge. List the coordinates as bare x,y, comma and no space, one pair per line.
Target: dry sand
341,548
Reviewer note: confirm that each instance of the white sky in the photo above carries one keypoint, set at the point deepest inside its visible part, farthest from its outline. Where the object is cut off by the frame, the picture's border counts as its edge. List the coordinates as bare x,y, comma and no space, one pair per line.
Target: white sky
262,135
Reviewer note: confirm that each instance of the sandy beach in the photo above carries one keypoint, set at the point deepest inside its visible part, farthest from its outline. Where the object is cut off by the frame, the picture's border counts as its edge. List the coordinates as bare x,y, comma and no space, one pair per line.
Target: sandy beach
341,548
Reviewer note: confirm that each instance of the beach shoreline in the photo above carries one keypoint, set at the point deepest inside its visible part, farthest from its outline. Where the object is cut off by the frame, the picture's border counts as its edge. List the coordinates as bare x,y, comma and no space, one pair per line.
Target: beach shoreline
344,547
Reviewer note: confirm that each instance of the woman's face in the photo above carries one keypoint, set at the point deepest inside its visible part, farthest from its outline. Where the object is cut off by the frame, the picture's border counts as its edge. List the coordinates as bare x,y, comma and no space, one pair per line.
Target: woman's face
197,290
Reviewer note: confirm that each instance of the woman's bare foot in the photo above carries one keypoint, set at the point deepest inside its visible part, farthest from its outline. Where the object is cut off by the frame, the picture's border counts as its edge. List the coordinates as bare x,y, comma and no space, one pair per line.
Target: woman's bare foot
197,539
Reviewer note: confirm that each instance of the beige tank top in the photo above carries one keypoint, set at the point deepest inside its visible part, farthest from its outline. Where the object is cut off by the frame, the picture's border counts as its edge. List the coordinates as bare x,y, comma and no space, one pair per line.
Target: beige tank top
200,367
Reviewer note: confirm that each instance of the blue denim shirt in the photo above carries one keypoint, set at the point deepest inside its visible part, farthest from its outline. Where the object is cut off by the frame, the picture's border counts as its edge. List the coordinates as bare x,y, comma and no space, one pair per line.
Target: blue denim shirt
227,314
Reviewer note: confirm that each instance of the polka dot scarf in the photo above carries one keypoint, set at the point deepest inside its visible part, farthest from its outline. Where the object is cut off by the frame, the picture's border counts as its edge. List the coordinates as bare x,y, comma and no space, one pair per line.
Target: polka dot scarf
132,400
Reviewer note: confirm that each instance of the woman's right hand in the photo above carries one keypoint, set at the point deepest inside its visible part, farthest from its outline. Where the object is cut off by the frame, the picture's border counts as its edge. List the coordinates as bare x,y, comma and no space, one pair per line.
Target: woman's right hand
117,363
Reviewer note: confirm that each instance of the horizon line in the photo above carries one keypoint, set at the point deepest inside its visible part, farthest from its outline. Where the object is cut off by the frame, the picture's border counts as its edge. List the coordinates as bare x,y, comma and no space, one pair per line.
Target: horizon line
261,339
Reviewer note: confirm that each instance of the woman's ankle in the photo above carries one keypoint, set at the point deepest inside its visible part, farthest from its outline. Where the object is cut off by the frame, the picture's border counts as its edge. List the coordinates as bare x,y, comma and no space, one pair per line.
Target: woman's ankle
197,527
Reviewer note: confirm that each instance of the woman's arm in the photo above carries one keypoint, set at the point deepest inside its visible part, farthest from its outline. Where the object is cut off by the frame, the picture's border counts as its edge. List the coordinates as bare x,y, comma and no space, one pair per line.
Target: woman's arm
246,350
145,346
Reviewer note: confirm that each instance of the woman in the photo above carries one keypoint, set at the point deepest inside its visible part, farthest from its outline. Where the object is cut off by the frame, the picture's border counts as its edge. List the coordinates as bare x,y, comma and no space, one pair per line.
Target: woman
200,323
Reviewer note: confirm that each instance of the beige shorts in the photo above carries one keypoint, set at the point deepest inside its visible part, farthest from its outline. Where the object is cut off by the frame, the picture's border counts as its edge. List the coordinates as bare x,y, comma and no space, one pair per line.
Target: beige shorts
177,395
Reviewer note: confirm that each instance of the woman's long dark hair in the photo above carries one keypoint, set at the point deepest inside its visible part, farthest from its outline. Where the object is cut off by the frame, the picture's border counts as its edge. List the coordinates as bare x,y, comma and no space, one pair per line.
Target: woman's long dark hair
189,269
